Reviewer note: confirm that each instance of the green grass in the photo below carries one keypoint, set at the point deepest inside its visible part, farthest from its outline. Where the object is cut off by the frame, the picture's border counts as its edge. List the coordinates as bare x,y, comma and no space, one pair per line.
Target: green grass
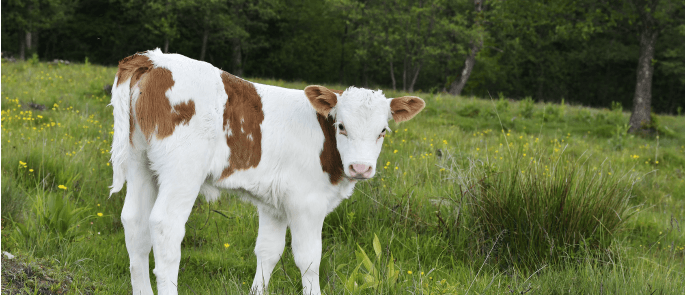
417,205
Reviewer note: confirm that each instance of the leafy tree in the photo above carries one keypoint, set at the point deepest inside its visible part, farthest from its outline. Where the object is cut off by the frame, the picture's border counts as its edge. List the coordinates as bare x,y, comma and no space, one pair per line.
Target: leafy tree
26,18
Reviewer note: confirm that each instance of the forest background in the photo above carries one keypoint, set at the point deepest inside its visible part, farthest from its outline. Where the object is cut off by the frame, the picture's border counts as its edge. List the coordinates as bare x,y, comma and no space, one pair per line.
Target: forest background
585,51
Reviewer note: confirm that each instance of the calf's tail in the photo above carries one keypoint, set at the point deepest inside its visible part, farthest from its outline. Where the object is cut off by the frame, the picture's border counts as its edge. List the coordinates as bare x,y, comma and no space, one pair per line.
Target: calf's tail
121,101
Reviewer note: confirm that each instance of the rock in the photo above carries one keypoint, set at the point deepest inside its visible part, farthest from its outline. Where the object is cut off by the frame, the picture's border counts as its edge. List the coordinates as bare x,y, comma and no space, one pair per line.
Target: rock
108,89
8,255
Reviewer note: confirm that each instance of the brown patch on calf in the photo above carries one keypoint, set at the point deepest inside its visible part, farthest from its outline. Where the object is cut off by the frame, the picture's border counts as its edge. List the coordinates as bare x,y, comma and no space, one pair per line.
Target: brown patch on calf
133,66
331,162
153,110
406,107
243,114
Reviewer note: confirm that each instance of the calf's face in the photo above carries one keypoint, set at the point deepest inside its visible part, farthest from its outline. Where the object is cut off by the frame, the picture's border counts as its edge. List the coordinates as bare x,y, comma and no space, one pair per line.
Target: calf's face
361,121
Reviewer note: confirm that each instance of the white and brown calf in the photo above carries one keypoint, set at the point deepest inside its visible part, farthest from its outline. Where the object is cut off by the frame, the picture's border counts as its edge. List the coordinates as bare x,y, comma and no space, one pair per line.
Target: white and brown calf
183,127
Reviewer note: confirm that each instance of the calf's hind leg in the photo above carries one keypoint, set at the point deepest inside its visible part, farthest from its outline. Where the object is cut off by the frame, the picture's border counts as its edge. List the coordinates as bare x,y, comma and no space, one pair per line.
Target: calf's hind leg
179,185
141,191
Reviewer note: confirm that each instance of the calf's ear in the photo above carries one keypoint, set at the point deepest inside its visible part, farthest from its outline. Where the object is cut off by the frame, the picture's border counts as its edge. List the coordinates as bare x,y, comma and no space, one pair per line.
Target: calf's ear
405,107
321,98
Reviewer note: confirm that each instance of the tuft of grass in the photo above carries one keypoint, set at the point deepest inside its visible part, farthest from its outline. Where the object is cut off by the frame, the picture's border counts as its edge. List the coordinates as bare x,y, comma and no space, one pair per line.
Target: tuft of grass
543,208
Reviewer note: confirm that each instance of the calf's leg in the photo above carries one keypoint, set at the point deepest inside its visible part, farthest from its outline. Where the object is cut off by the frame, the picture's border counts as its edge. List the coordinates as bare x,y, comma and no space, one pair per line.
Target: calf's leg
269,248
305,227
141,192
179,184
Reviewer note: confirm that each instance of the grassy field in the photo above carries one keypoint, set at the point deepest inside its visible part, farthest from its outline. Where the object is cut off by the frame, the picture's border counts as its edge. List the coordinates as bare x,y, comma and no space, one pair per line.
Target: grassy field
463,202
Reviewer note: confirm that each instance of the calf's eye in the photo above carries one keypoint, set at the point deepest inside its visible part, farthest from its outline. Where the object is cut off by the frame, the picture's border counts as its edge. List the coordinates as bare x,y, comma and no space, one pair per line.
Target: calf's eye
342,130
383,133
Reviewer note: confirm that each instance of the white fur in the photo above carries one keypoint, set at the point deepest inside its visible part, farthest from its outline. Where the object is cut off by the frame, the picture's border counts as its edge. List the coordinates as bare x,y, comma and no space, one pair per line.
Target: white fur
288,186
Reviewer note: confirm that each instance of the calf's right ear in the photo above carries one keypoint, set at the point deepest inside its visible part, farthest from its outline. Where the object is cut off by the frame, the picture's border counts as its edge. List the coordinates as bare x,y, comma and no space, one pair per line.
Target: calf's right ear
321,98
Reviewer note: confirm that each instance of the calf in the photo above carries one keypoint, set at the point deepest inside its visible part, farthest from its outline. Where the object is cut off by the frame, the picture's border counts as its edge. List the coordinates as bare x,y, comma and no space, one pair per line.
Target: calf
183,127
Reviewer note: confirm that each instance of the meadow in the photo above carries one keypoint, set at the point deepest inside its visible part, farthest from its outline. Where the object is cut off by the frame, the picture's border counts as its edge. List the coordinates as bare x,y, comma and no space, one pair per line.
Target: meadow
473,196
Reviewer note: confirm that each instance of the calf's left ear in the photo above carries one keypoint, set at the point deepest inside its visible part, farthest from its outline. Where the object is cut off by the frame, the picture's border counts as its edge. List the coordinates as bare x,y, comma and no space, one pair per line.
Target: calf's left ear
321,98
405,107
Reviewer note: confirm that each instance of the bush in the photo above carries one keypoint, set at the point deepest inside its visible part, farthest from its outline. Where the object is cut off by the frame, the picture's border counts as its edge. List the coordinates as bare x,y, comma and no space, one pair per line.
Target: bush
470,110
543,210
526,107
502,104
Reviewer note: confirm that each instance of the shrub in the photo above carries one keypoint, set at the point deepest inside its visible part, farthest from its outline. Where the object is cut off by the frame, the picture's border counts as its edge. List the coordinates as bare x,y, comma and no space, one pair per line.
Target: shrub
526,107
539,211
502,104
470,110
554,112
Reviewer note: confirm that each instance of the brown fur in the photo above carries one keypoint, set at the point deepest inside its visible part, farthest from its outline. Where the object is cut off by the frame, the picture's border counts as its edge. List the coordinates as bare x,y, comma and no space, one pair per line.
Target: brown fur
153,110
243,104
133,66
406,107
321,98
331,162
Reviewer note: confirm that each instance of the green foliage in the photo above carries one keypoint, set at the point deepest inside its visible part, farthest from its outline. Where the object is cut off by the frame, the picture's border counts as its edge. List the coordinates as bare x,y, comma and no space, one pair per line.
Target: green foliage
469,110
378,275
34,59
502,104
52,215
618,138
526,107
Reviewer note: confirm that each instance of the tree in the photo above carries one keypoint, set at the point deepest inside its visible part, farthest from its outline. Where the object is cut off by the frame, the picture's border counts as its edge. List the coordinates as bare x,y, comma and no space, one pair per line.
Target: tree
478,36
28,18
652,17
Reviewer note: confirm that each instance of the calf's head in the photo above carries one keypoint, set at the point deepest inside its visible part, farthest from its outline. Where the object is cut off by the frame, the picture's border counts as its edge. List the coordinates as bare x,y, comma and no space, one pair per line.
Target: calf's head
361,121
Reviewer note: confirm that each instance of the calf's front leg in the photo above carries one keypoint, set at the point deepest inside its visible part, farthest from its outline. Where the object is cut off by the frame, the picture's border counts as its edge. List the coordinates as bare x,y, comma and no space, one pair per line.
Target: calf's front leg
269,248
305,228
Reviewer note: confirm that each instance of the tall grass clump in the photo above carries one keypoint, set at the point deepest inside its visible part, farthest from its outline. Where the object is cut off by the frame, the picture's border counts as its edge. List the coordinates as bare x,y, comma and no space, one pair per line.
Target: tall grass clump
538,210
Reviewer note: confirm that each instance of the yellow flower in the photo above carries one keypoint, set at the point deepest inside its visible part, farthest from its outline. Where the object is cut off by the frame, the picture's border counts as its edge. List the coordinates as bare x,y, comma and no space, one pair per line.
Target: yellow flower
62,187
100,214
395,152
30,170
409,271
227,245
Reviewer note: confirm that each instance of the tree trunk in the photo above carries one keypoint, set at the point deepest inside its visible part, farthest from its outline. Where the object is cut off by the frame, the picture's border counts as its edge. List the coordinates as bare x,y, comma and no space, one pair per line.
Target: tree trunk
404,74
392,76
458,84
237,58
22,48
166,45
416,75
476,45
204,44
642,101
342,57
28,41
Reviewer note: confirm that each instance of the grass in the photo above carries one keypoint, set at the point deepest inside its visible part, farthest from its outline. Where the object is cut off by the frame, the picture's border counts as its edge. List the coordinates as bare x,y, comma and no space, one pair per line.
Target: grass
56,135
